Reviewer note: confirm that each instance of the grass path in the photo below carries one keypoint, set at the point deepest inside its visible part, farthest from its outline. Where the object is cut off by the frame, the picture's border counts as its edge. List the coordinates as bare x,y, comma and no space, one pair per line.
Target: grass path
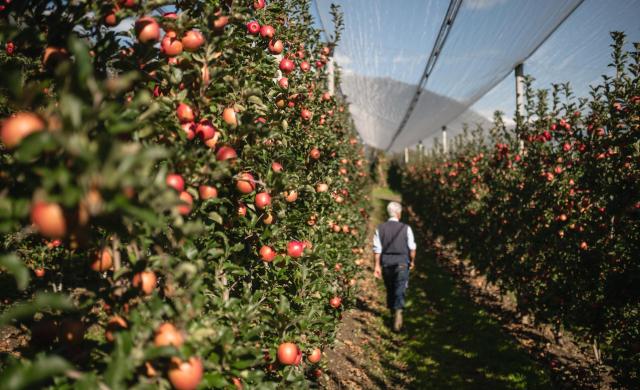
448,342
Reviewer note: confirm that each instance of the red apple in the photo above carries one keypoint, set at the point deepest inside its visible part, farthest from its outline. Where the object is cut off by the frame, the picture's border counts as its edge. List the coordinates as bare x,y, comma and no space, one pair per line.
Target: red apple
245,183
276,167
276,47
48,219
186,375
170,44
167,334
226,153
103,260
192,40
205,130
207,192
229,117
306,114
314,153
147,29
267,253
287,66
253,27
189,129
295,248
187,203
185,113
291,196
259,4
283,83
17,127
145,281
335,302
304,66
175,181
315,356
288,353
267,31
263,200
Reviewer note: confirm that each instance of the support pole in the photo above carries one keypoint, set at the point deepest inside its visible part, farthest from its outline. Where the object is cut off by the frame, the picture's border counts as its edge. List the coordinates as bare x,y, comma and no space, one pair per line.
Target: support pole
420,151
519,73
331,81
406,155
444,139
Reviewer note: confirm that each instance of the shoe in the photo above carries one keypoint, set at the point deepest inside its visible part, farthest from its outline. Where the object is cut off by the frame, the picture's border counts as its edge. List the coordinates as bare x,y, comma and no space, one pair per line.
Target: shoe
397,322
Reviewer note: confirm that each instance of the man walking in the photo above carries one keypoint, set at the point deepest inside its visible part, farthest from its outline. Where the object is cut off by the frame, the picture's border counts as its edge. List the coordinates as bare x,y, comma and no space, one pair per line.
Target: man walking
394,248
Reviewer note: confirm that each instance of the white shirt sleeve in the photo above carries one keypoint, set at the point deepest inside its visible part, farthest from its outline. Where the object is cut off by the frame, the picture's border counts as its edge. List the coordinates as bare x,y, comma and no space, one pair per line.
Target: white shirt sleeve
377,245
411,242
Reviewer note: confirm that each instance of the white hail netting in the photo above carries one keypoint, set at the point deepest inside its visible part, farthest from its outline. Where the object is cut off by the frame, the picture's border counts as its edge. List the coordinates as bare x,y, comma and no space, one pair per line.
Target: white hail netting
386,44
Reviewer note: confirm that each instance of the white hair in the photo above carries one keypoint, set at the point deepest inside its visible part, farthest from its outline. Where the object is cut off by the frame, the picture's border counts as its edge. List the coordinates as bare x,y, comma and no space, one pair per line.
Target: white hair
394,209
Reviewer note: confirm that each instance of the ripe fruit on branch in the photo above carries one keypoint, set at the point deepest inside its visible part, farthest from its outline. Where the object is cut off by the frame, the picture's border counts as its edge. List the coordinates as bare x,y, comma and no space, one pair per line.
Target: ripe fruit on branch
187,203
315,356
289,354
189,129
19,126
245,183
111,19
170,44
145,281
326,96
186,375
335,302
175,181
304,66
185,113
314,153
253,27
276,167
263,200
306,115
229,117
205,130
242,209
167,334
220,23
226,153
259,4
268,219
287,66
39,272
295,248
147,29
276,47
207,192
267,253
115,324
267,31
283,83
48,219
290,196
53,56
103,260
192,40
322,187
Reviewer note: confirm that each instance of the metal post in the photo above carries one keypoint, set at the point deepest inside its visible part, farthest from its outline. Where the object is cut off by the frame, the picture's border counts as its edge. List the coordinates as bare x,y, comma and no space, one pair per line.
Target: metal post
331,80
406,155
420,151
444,139
519,72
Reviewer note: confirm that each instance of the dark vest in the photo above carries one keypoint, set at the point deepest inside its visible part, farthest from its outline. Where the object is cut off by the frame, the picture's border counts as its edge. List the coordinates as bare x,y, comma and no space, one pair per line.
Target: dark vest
393,236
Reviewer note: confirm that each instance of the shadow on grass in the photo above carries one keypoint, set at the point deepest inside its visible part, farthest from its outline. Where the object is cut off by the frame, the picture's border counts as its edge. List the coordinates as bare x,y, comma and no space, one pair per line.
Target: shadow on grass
448,342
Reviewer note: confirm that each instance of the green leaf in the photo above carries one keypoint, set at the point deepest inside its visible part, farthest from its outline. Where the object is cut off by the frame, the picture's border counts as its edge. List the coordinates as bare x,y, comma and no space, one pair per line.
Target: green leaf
12,264
23,374
42,301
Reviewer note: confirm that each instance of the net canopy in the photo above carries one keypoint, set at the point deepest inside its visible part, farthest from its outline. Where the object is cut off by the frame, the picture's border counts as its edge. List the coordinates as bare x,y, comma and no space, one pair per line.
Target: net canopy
386,46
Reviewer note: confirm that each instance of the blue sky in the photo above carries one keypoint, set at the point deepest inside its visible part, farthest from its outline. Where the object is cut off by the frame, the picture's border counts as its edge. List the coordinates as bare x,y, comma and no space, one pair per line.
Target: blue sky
393,39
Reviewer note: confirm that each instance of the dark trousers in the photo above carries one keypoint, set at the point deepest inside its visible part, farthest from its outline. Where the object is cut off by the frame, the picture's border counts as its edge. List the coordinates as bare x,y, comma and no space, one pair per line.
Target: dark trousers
396,280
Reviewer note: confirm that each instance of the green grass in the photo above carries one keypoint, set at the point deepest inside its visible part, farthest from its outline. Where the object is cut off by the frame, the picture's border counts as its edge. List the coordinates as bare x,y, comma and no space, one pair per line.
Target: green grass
449,342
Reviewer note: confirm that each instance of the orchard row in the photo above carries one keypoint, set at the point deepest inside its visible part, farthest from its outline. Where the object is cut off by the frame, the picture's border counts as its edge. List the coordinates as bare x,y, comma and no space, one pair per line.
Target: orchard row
183,197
